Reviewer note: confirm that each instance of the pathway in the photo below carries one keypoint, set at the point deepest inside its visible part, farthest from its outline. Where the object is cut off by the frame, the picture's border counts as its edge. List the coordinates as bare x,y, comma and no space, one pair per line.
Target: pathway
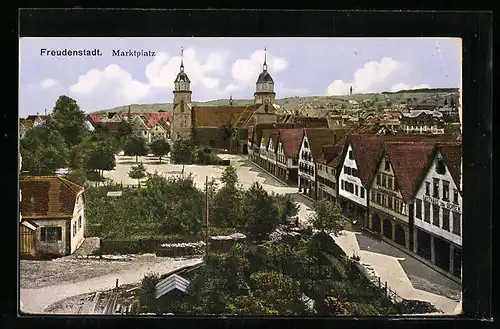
35,301
389,269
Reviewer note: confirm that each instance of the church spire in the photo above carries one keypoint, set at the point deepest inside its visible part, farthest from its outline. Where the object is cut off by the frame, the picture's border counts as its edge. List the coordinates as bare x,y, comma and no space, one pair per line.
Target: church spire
265,59
182,59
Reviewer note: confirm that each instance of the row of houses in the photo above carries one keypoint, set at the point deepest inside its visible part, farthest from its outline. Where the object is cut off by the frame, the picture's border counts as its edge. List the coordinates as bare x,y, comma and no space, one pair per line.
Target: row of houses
406,188
149,125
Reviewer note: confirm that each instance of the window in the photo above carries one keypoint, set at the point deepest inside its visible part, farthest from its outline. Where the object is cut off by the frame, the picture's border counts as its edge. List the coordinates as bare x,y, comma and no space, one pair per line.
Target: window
435,188
351,157
446,219
356,191
387,165
378,179
348,170
456,223
345,169
389,202
427,188
342,184
80,222
74,228
51,234
378,198
373,196
384,180
440,167
354,172
384,200
362,192
418,208
435,215
455,196
446,191
389,182
427,212
305,144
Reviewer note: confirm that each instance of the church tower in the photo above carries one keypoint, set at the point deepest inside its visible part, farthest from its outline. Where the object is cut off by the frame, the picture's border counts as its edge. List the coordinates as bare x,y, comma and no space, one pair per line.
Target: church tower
264,90
181,113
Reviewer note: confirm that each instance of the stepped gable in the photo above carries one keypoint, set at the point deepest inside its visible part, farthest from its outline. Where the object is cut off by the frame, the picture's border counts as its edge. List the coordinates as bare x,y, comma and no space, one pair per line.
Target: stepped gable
48,197
216,116
409,160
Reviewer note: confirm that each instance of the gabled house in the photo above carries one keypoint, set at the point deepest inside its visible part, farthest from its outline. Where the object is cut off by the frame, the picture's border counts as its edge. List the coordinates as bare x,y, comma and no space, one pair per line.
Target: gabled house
326,174
27,229
422,122
437,232
310,151
37,120
24,126
289,142
56,206
264,142
140,127
271,151
393,188
359,160
159,131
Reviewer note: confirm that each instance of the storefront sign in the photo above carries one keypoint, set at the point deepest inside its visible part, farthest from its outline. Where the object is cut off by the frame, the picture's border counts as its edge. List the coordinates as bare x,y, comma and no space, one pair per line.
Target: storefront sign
442,204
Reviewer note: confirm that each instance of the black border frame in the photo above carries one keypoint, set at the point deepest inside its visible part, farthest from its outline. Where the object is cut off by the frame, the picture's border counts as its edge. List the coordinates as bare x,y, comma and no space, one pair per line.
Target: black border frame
475,29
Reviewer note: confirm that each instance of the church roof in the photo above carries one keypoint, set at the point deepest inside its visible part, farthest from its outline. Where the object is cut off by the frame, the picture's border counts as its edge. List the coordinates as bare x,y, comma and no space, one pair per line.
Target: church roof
216,116
182,77
265,77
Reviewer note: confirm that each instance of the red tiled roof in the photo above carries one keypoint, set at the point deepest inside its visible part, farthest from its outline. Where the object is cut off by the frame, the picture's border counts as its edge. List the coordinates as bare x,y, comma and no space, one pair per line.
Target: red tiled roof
317,137
94,117
409,161
366,150
216,116
154,118
312,122
48,197
452,154
291,139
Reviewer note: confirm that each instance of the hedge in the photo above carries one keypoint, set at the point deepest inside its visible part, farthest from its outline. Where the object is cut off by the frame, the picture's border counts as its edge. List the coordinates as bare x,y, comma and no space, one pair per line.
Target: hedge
139,245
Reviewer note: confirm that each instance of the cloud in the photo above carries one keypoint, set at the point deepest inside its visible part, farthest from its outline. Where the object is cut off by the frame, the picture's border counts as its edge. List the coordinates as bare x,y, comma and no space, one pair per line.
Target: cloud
373,74
404,86
283,91
161,72
48,83
113,82
245,71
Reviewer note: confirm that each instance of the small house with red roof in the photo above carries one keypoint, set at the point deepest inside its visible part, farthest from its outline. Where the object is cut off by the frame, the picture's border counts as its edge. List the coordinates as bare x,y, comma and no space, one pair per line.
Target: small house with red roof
54,206
437,232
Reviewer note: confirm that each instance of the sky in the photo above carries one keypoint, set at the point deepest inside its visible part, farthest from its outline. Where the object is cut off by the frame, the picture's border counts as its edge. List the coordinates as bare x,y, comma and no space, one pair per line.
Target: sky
222,67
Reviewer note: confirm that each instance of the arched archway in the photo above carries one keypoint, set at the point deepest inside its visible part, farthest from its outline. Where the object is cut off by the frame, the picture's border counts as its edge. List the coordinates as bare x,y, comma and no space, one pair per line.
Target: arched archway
387,229
376,223
245,149
399,235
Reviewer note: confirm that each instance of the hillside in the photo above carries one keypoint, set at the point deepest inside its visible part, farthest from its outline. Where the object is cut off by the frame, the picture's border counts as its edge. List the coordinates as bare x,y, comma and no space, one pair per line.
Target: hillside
418,96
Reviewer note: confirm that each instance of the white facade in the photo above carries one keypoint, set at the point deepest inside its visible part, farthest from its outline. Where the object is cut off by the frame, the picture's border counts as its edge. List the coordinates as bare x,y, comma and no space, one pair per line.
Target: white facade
263,149
77,224
445,201
346,177
271,154
307,168
280,156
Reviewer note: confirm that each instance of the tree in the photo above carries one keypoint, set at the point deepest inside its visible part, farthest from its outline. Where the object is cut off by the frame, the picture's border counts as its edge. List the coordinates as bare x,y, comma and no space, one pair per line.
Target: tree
262,214
160,147
101,157
137,172
69,119
327,217
184,152
227,208
77,176
125,130
44,151
135,146
286,207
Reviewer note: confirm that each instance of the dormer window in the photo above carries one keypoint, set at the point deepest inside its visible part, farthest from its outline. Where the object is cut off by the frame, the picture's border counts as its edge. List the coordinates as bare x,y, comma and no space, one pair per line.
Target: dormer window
440,167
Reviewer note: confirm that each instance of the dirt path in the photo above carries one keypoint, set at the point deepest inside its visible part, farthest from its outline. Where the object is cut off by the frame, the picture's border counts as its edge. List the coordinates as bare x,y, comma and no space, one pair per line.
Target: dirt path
35,301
